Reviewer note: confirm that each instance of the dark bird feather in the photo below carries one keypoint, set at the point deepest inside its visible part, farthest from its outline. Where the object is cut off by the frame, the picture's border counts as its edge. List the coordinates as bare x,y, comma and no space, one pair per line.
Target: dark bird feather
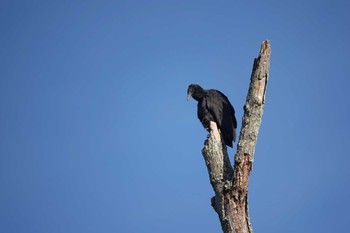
213,105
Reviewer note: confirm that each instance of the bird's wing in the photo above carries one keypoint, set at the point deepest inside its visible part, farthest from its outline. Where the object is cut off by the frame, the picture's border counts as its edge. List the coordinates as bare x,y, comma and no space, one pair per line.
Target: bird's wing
215,105
223,112
230,109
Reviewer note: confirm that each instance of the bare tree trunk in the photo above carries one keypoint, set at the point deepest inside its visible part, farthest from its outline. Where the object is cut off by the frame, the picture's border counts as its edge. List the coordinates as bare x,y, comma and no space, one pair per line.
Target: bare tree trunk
231,185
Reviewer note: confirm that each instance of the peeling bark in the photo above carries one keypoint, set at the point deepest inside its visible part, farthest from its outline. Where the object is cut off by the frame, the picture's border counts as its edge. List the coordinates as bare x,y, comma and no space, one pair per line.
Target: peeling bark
231,184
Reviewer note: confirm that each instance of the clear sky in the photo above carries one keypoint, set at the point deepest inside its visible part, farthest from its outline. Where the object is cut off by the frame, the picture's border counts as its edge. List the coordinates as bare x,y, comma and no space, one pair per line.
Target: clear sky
96,134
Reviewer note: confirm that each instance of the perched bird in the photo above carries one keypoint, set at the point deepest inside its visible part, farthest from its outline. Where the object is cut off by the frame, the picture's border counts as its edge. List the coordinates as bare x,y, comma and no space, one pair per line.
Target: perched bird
215,106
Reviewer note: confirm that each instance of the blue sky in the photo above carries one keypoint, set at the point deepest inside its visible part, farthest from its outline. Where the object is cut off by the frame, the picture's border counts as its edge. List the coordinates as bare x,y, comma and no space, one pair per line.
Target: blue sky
97,136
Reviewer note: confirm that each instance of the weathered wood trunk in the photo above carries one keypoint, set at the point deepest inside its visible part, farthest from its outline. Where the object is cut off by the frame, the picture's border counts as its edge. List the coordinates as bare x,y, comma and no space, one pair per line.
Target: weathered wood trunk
231,184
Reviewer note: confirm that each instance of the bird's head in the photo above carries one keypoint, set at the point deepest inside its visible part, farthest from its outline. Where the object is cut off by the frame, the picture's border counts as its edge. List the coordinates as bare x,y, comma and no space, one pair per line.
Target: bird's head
196,91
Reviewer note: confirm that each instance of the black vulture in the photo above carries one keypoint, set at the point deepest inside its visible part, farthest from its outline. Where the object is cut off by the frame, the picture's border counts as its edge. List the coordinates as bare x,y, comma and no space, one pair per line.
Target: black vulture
215,106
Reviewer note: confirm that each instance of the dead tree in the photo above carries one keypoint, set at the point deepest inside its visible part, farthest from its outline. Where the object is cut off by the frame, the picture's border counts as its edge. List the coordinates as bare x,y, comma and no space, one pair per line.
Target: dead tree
231,184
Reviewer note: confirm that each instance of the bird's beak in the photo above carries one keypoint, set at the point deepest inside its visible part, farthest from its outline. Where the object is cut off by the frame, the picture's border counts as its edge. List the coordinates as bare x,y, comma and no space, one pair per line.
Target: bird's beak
189,96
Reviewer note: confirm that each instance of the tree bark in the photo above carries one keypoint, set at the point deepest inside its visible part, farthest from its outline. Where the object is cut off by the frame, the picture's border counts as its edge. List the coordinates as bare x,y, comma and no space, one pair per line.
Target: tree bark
231,184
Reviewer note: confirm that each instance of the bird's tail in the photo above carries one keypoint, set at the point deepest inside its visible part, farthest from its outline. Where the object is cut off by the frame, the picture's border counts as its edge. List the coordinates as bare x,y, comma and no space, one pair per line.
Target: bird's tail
234,134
